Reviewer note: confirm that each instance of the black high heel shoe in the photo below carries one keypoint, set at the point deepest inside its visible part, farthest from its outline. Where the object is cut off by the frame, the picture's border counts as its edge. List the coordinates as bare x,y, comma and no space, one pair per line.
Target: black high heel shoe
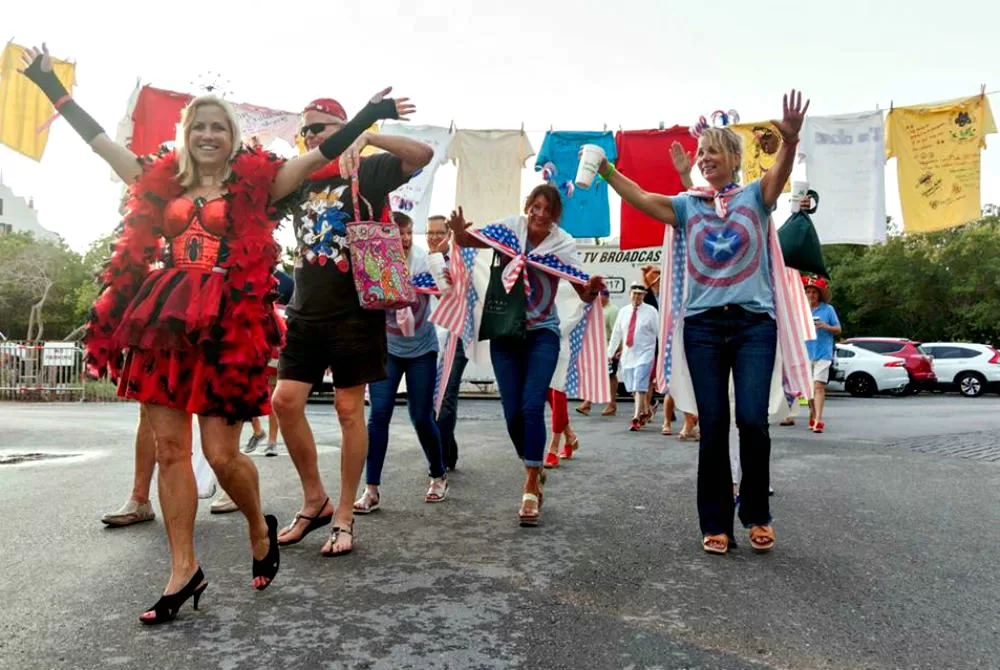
268,566
166,608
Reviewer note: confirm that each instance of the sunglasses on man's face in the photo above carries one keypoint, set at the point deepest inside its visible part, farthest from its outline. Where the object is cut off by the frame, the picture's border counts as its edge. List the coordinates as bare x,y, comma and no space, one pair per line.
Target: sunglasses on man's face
316,128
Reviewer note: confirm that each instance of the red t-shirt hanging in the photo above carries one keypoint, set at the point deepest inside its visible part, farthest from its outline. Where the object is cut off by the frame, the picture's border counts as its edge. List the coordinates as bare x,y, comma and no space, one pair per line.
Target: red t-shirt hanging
156,115
644,157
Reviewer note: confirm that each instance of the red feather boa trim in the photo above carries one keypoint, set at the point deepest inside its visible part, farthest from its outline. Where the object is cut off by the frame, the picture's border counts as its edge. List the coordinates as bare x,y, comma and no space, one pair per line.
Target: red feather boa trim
135,251
248,332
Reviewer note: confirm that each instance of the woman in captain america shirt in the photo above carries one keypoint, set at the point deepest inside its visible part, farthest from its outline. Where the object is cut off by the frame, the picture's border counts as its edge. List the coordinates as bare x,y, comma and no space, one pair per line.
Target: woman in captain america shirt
730,314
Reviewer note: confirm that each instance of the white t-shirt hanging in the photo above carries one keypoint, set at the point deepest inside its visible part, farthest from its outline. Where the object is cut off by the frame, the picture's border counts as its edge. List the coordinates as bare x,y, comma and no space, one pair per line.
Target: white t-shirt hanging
845,165
489,172
414,197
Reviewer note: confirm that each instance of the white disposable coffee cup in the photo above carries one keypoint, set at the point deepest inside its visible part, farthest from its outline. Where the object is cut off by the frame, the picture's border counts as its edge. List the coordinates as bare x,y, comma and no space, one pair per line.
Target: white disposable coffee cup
800,189
590,160
436,265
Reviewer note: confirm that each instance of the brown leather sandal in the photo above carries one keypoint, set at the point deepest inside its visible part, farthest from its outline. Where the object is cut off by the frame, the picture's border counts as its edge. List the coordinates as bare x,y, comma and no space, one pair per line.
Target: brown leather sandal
762,538
716,544
335,534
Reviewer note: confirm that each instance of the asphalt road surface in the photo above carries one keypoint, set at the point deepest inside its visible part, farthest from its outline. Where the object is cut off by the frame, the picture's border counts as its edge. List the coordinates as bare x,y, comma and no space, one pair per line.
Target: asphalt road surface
886,554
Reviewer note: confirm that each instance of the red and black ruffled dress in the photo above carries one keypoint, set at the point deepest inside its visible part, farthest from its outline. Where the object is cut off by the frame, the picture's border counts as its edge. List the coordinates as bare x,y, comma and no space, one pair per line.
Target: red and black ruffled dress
189,293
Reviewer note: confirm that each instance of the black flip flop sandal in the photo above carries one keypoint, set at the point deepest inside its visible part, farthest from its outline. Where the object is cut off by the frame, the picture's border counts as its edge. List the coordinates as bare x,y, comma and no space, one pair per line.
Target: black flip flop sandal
314,523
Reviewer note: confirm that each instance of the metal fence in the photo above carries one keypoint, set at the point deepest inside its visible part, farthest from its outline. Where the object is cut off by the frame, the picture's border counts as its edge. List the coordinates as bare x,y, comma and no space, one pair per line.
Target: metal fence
41,371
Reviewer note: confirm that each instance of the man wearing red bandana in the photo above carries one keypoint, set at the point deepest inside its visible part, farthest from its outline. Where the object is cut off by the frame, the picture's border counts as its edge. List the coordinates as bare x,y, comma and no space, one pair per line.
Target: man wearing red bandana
327,327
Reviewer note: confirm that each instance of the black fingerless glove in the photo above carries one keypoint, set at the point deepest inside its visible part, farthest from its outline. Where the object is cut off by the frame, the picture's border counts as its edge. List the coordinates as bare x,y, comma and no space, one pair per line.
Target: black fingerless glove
82,122
335,145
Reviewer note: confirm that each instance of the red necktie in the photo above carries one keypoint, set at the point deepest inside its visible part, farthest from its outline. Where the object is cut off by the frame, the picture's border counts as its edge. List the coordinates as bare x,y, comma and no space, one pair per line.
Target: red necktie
631,327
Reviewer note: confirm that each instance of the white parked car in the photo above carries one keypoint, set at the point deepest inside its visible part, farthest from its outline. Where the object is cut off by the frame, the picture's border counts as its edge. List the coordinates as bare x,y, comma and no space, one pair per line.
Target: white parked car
863,373
971,369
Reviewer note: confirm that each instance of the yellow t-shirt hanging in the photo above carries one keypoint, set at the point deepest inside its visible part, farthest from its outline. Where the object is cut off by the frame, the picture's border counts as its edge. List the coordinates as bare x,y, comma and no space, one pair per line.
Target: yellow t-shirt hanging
937,151
760,149
23,107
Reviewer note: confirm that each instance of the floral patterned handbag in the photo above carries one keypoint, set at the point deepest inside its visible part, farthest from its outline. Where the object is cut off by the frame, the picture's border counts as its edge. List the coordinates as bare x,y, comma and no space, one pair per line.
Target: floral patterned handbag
377,259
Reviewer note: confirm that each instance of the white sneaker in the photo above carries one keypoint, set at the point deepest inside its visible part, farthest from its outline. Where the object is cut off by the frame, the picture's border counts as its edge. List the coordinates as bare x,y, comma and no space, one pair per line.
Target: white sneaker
272,449
130,513
253,443
224,505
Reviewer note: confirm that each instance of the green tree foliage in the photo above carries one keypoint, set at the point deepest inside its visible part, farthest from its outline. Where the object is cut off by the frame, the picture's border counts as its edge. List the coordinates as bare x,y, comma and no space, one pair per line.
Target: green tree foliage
97,254
40,277
937,286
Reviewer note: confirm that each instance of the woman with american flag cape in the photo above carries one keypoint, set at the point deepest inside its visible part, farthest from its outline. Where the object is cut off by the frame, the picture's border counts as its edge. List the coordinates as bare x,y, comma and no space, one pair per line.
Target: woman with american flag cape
536,251
729,308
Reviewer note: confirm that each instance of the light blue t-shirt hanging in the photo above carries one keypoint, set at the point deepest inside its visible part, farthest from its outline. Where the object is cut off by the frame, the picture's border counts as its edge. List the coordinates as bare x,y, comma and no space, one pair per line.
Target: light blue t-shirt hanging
586,214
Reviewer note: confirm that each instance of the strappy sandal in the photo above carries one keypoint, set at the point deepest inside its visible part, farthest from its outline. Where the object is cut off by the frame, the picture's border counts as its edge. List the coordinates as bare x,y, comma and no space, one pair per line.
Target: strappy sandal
688,436
314,523
667,430
368,502
710,544
335,533
581,410
609,411
528,520
635,425
645,416
438,490
569,448
762,538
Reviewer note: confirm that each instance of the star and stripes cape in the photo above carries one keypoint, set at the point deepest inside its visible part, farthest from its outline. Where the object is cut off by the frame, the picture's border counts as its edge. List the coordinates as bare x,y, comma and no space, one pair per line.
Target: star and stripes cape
792,373
582,369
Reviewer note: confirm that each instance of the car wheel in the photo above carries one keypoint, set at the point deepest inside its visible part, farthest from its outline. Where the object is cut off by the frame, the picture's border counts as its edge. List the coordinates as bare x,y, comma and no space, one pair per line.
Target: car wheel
861,385
971,384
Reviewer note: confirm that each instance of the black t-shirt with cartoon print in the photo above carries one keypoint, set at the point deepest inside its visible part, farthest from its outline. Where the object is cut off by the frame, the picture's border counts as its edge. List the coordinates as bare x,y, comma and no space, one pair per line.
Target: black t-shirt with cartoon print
324,285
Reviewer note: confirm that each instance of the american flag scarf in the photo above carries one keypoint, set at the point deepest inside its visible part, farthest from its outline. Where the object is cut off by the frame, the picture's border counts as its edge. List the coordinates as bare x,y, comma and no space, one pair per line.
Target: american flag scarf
459,310
423,282
793,316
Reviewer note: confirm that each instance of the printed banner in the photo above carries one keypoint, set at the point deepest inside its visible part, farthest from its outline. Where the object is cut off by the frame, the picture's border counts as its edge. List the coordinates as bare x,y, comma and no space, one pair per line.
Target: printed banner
937,151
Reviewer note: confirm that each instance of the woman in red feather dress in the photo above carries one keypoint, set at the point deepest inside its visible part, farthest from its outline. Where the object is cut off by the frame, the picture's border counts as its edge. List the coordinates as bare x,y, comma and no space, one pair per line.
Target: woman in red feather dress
189,294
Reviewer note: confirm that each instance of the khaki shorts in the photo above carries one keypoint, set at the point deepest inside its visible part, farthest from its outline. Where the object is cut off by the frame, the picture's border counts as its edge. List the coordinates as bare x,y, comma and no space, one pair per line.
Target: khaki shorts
821,371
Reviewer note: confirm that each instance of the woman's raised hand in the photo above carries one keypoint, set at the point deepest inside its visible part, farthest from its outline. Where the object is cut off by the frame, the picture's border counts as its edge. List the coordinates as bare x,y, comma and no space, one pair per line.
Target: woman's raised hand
792,117
31,55
457,223
681,159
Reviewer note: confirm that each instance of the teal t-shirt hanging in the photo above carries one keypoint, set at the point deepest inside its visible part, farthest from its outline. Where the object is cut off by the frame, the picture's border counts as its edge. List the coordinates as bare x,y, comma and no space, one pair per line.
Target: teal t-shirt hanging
586,214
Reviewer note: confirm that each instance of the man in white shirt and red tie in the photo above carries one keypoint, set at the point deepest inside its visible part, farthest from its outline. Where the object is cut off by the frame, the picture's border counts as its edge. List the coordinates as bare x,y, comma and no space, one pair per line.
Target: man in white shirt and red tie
636,327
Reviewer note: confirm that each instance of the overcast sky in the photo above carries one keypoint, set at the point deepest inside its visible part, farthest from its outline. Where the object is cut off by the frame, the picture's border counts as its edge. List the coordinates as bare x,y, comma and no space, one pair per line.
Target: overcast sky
570,65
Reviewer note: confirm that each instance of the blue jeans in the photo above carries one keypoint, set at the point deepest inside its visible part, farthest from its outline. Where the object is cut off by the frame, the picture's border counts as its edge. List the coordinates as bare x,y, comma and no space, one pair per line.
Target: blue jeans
448,416
524,371
717,342
420,375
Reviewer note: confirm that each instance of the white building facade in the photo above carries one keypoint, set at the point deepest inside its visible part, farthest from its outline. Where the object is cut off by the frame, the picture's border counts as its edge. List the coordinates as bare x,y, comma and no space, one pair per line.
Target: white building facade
19,215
